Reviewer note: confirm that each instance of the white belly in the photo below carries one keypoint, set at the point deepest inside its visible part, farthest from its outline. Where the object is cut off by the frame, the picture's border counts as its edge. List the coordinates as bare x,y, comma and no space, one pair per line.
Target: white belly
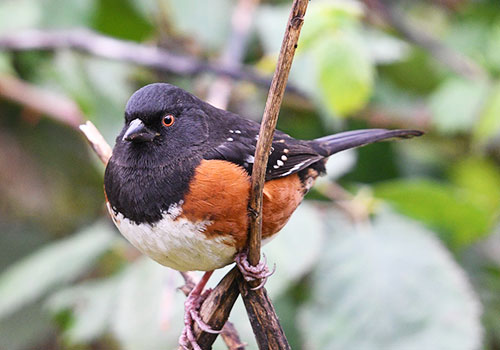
177,243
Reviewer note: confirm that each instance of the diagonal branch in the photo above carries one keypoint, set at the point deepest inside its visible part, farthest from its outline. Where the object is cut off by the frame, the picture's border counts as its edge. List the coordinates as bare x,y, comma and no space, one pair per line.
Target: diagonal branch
145,55
226,290
261,313
215,310
42,101
268,125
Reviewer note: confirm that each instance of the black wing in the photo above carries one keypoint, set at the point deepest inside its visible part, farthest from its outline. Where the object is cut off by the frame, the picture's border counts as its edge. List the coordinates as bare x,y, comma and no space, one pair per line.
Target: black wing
288,155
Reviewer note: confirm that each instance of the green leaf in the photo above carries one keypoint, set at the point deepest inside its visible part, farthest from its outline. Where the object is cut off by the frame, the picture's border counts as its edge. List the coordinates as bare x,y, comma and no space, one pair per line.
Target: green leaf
456,104
209,22
294,256
334,65
91,306
488,125
25,329
492,49
390,285
149,308
5,64
454,211
86,80
270,23
345,72
481,178
19,14
384,48
121,19
55,264
67,14
326,16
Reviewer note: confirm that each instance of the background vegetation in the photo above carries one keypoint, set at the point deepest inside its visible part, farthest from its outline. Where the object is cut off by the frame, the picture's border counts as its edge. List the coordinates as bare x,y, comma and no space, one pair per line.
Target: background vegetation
398,248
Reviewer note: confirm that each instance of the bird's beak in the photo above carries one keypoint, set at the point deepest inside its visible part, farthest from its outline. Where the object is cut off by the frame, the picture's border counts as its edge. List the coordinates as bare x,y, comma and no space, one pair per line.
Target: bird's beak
138,132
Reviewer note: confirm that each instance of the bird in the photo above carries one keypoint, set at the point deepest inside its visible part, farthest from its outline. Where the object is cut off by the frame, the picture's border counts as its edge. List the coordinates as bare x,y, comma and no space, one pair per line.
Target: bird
177,184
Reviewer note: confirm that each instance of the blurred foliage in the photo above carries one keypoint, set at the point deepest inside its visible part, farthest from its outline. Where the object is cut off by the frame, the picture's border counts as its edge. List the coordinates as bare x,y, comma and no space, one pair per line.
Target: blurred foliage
406,258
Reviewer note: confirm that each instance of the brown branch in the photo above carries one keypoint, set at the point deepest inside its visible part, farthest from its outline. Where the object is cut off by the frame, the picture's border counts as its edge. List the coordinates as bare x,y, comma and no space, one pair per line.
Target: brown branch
231,338
215,310
268,125
263,318
190,281
58,107
145,55
96,140
265,323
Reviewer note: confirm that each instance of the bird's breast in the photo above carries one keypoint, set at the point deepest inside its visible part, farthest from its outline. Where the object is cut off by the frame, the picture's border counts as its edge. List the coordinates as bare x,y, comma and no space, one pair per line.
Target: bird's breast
205,229
177,242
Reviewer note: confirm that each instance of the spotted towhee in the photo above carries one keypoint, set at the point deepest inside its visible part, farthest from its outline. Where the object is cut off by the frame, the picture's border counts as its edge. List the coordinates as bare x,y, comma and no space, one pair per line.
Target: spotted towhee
177,184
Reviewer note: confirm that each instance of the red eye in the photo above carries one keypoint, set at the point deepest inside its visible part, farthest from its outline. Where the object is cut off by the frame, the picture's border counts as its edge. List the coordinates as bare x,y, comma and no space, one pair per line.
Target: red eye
168,120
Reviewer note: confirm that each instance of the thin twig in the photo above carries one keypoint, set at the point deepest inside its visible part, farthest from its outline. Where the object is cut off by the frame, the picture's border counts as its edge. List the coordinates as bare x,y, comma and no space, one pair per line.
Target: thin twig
190,281
96,140
266,327
231,338
107,47
57,107
268,125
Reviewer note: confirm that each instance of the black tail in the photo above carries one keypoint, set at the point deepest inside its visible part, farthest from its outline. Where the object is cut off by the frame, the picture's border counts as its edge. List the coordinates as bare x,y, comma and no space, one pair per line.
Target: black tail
329,145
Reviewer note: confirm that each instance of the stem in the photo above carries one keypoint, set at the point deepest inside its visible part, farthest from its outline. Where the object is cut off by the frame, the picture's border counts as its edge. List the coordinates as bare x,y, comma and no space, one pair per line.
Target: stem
265,322
127,51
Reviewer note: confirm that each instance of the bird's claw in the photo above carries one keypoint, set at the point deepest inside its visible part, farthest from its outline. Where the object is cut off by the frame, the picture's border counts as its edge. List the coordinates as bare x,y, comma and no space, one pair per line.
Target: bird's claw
192,306
253,273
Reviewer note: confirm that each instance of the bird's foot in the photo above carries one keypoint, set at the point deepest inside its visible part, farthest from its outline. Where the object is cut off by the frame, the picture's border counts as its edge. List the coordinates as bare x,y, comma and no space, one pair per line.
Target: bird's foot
192,306
253,273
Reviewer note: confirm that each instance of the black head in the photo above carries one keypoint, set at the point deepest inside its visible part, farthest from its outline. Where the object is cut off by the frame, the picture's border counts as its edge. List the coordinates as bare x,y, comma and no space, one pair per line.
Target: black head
165,132
162,123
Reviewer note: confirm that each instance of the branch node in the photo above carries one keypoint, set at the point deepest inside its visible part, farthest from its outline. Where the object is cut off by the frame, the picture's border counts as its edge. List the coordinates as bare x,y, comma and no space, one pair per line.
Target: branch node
297,21
253,212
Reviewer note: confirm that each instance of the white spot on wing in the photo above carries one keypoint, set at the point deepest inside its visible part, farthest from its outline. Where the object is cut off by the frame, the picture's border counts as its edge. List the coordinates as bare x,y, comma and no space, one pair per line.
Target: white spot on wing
250,159
237,131
295,168
284,158
280,163
230,139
